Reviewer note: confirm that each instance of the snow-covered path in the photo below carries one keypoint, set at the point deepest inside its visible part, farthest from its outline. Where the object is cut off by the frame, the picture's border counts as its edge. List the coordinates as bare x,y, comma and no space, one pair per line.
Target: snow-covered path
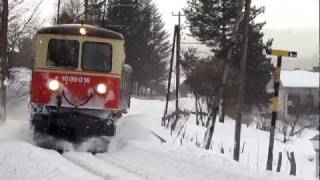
92,164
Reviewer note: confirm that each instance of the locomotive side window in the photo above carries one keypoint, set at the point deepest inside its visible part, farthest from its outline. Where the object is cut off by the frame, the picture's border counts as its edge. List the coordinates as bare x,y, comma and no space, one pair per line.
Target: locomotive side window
96,56
63,53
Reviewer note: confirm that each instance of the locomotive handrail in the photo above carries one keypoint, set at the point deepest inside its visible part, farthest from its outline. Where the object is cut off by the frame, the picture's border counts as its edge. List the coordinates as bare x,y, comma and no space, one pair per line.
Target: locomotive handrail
74,105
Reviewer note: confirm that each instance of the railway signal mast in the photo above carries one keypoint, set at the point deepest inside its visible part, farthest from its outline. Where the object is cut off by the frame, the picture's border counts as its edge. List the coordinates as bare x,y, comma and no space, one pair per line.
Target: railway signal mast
279,54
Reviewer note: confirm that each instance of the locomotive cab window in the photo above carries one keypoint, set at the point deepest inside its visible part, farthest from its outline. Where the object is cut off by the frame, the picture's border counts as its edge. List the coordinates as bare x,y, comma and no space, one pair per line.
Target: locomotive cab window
63,53
96,56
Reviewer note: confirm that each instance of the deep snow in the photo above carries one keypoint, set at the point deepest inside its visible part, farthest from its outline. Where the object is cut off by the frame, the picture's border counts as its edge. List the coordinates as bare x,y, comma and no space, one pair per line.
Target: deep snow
135,153
22,161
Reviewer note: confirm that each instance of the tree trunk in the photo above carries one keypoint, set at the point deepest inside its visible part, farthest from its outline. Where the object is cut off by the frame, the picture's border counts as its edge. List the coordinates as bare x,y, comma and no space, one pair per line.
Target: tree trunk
279,162
293,125
201,113
284,138
222,150
284,130
243,145
243,64
210,128
197,110
292,161
58,13
221,110
3,58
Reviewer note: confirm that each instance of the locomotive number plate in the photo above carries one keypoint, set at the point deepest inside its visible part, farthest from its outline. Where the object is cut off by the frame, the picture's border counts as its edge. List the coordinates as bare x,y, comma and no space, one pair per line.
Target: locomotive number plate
75,79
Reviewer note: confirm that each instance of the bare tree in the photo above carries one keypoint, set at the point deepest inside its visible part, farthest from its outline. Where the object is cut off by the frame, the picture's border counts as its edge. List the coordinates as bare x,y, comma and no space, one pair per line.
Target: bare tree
18,22
284,130
23,21
71,12
297,123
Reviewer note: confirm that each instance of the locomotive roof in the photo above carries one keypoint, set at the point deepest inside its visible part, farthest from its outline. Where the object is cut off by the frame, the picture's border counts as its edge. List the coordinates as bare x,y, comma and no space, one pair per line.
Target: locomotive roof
73,29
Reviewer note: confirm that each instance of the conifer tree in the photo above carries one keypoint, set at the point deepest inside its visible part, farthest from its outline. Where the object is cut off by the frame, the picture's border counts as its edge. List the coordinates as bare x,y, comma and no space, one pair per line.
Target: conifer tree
146,40
211,23
258,70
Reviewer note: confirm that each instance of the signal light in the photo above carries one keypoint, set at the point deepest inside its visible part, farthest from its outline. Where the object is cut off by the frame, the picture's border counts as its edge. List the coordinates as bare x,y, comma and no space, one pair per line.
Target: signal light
54,85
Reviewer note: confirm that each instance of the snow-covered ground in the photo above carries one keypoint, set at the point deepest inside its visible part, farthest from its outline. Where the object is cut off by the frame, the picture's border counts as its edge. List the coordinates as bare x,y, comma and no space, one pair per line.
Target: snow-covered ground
23,161
135,153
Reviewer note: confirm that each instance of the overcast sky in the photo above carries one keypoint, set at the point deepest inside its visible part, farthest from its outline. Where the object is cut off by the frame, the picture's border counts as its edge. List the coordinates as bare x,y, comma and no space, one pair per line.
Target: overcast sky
294,25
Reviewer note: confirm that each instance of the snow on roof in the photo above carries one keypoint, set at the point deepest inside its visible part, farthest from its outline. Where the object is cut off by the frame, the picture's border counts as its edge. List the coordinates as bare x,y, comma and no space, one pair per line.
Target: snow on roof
299,78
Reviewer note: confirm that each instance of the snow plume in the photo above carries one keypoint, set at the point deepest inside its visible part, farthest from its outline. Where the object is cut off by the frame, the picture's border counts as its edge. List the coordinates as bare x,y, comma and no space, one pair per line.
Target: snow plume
18,88
130,129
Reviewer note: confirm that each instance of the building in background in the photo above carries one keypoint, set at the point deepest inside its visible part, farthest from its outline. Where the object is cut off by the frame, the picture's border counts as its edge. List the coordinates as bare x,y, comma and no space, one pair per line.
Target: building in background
298,93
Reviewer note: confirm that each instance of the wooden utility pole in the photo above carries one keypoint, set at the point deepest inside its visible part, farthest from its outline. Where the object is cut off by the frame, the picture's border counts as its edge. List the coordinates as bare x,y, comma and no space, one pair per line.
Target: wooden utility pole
242,79
178,69
3,58
85,11
170,75
178,59
58,13
177,34
104,12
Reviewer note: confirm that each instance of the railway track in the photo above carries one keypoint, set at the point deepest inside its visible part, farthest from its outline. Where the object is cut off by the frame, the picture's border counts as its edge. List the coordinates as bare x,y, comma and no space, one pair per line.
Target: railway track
108,170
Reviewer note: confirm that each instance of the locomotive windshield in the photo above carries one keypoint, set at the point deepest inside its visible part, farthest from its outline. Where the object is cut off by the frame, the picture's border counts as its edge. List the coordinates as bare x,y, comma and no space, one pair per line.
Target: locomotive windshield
96,56
63,53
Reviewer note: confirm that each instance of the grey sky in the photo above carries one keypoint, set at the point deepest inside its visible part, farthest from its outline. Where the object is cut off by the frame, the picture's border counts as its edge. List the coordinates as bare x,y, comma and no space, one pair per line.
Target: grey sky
294,25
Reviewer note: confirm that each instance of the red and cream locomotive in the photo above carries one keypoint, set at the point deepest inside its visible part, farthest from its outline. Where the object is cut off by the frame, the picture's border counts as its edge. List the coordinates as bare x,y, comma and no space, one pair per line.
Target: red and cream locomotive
80,83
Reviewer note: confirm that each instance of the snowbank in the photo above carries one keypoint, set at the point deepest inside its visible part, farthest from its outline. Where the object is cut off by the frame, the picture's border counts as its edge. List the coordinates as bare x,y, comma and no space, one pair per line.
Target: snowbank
155,162
22,161
254,142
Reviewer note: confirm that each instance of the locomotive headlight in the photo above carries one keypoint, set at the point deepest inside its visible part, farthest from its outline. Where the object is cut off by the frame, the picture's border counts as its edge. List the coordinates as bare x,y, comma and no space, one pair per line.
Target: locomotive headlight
83,31
101,88
54,85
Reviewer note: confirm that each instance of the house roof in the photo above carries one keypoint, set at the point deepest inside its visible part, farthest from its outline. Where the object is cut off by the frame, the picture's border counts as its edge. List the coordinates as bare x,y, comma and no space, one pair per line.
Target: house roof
299,78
